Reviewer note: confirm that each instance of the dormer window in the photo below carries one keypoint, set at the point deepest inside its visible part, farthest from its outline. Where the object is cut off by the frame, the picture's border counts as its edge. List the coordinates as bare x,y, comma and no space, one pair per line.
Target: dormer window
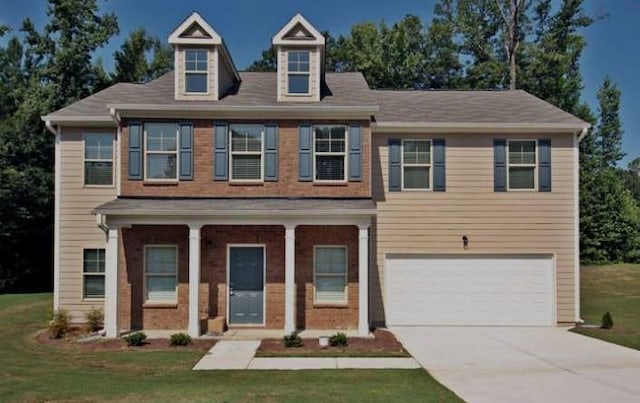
298,72
196,71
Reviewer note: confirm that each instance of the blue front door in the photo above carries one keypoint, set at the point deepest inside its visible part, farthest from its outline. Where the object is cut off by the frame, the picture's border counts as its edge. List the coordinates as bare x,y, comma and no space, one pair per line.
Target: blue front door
246,285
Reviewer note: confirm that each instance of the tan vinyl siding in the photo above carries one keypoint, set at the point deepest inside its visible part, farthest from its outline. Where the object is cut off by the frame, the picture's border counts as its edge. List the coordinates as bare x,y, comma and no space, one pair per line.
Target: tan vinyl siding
495,222
78,228
314,74
225,79
212,65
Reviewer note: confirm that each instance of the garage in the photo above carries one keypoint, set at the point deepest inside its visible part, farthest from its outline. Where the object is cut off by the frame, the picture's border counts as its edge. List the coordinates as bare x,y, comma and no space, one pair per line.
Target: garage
481,290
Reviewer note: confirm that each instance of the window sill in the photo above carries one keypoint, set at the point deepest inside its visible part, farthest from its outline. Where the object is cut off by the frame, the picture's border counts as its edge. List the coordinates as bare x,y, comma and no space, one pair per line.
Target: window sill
93,300
160,183
160,305
331,305
98,186
330,183
248,183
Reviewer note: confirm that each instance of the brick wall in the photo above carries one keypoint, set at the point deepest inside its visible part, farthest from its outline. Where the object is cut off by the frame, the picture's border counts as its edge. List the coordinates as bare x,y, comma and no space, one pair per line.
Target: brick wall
203,184
312,316
213,287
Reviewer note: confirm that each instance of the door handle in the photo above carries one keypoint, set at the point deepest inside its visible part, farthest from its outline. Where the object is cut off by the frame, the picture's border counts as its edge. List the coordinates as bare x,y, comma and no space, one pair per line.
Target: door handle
231,290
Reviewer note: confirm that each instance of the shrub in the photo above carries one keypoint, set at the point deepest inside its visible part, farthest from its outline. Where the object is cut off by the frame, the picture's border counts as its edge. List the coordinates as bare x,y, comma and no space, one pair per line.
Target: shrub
607,321
293,340
60,323
338,340
135,339
179,339
95,319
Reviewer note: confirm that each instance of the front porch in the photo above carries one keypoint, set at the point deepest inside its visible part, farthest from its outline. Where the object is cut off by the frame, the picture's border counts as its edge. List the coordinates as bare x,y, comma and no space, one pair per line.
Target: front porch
284,269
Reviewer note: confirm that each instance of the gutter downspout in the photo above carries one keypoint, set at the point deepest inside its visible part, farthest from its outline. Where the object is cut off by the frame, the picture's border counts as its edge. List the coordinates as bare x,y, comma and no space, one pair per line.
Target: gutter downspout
49,126
583,133
101,223
576,172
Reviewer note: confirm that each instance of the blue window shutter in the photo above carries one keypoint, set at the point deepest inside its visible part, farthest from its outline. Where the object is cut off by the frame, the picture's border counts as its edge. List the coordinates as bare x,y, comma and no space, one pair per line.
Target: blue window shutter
355,153
544,165
135,151
439,174
186,151
221,151
394,165
271,152
499,165
305,153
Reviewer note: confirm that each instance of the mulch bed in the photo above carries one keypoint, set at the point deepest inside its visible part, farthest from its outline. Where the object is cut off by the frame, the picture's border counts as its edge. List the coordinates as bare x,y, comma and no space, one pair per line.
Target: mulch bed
73,337
383,345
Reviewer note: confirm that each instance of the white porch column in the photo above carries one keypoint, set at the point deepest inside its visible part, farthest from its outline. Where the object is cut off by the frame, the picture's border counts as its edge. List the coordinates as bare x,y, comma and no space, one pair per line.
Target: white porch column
194,280
289,278
363,281
111,296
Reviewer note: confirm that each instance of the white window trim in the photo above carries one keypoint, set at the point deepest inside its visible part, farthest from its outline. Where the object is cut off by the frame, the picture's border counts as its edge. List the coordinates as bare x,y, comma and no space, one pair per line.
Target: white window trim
299,73
206,72
345,300
264,282
85,160
534,165
144,267
429,165
147,152
344,155
232,153
85,274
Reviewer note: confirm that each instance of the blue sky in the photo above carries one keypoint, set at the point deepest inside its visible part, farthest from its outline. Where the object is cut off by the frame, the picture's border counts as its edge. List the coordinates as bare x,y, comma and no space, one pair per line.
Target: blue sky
248,25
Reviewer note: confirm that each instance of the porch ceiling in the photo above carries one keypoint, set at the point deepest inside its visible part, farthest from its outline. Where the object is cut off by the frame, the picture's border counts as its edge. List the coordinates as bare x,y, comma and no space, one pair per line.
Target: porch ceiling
222,207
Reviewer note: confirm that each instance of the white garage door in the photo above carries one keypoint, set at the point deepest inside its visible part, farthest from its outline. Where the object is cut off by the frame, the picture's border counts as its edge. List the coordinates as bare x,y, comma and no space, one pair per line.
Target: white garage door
469,290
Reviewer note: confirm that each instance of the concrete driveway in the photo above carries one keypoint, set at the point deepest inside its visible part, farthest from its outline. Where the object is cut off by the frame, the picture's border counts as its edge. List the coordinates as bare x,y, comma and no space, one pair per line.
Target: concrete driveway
495,364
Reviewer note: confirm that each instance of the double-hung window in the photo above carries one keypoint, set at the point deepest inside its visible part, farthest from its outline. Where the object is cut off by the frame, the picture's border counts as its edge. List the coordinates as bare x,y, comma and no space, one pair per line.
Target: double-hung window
298,72
330,145
161,273
93,274
161,151
196,71
416,164
98,159
246,152
330,274
521,164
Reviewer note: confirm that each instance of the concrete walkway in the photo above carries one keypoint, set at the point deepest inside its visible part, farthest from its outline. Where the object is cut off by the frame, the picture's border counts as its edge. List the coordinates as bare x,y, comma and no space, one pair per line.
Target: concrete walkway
525,364
230,355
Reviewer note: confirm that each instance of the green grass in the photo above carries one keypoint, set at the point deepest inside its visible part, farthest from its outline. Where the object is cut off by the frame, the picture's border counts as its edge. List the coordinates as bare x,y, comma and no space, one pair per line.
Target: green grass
36,372
613,288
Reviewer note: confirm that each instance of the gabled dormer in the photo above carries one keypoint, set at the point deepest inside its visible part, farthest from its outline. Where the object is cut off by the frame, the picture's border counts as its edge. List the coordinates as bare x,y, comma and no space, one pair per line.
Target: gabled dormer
204,70
299,47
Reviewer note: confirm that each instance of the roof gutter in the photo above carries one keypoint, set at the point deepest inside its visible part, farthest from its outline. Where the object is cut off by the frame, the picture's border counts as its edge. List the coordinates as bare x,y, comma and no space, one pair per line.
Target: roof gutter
473,127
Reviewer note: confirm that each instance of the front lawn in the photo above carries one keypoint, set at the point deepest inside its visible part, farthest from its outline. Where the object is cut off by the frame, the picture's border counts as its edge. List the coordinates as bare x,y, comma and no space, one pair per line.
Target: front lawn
31,371
613,288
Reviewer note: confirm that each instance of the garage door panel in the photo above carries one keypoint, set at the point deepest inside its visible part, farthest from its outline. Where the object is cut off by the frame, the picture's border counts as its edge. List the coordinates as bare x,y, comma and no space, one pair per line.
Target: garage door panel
502,290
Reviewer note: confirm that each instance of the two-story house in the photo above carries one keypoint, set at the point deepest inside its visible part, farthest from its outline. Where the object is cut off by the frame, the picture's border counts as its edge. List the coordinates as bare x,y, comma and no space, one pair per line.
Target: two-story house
302,199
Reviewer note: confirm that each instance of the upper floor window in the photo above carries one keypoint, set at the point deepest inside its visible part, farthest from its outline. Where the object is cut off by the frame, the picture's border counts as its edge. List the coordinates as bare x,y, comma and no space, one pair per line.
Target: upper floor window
196,70
246,152
98,159
521,164
298,72
416,164
330,145
161,151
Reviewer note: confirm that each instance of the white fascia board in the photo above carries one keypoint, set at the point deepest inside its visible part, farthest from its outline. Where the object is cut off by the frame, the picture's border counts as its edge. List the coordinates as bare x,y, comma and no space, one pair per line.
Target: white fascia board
470,127
234,213
278,39
195,18
79,120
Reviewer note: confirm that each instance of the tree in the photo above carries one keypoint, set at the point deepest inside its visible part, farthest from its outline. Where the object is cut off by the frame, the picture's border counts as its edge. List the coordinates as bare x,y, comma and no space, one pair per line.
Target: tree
512,15
609,128
443,67
131,61
266,63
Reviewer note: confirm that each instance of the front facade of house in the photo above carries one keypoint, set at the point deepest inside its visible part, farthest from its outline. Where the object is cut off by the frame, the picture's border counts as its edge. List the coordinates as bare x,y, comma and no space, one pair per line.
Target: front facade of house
303,199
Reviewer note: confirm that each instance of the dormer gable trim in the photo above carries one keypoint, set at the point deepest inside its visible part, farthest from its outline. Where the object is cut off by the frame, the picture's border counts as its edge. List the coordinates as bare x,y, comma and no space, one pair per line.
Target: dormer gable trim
298,31
195,31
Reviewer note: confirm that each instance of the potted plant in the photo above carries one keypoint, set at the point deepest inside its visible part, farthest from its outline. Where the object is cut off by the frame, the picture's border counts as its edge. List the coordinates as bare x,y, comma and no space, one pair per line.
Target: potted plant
324,341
